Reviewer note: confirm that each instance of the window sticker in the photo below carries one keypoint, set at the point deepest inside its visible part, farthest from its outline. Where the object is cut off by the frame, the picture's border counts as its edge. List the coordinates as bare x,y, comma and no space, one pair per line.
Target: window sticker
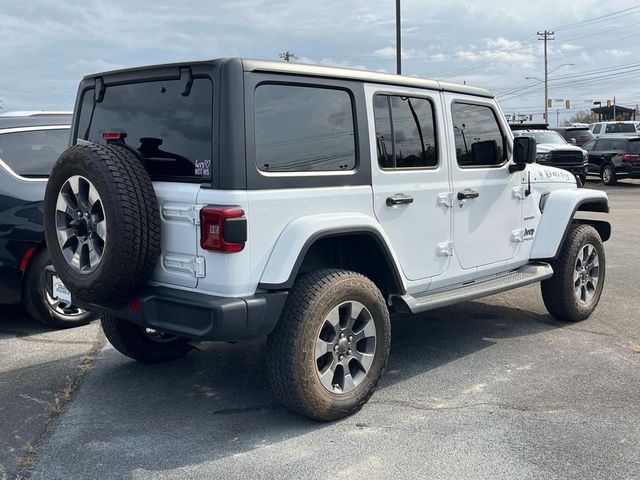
203,168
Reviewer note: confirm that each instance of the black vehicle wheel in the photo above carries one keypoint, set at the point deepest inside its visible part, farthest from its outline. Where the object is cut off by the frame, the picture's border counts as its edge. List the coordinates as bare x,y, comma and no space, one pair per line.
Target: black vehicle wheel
143,344
329,349
41,305
573,292
102,222
609,176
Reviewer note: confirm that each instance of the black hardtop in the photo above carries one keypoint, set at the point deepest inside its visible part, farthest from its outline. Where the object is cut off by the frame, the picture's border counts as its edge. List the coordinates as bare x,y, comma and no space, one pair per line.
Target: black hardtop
171,70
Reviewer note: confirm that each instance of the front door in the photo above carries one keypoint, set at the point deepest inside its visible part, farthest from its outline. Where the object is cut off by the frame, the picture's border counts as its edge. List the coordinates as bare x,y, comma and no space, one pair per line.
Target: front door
487,212
410,176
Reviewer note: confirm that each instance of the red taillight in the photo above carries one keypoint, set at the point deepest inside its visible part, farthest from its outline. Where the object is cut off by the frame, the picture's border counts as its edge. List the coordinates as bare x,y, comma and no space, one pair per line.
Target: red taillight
222,229
629,157
113,136
26,257
134,306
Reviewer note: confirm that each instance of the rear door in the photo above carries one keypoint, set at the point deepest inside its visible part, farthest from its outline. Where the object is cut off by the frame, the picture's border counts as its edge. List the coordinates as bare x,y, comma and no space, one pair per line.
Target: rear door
171,129
410,177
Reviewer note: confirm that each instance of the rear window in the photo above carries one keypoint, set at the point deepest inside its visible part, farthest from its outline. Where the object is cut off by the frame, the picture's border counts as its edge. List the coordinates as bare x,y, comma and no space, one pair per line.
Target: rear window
620,128
633,146
173,132
582,134
304,128
33,153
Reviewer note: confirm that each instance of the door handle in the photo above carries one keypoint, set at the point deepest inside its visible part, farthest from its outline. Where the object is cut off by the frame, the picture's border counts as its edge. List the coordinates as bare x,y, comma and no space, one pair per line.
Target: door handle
467,194
399,199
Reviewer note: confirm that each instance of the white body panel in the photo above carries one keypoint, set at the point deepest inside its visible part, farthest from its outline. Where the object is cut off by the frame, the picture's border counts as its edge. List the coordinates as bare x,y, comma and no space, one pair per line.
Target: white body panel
179,235
282,220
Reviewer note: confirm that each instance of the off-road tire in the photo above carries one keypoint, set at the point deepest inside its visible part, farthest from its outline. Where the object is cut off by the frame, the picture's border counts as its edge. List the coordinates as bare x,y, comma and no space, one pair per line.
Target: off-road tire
133,221
133,341
34,297
291,346
558,292
610,179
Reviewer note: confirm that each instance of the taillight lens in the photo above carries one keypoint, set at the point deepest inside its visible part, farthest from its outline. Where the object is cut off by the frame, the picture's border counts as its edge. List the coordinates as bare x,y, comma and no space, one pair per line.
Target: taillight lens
630,157
222,229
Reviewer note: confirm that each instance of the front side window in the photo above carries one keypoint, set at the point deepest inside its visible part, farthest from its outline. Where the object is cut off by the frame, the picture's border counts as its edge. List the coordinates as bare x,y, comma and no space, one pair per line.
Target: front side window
597,128
33,153
303,128
171,130
479,140
405,132
589,145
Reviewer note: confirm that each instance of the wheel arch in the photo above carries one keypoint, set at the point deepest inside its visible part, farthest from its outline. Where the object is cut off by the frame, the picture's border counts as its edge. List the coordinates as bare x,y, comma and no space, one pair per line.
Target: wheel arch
336,246
560,209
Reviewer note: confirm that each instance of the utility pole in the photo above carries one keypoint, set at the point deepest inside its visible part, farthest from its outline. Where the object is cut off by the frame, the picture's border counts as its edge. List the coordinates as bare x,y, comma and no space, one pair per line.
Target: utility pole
546,36
287,56
398,40
614,109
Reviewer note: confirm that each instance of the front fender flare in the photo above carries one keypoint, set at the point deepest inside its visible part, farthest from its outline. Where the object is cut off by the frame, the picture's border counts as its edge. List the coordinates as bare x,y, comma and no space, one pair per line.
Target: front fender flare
299,235
559,210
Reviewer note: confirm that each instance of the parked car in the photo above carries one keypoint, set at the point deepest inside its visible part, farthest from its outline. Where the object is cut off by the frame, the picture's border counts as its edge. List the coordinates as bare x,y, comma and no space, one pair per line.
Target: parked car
575,135
230,199
614,158
30,143
553,150
615,129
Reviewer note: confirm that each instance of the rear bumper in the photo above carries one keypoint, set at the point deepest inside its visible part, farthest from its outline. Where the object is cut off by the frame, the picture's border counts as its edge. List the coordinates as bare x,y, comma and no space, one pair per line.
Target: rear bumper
199,316
195,315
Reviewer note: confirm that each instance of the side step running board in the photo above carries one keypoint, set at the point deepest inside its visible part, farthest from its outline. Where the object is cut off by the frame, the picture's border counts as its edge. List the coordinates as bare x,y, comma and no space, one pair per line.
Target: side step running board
441,298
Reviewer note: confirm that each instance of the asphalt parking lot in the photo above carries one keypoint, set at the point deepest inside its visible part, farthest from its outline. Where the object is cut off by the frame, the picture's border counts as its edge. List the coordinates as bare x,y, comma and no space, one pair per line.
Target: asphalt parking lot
491,389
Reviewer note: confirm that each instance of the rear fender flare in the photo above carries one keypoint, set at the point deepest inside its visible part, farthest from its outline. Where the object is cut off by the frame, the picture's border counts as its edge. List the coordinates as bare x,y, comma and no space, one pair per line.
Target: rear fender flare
299,235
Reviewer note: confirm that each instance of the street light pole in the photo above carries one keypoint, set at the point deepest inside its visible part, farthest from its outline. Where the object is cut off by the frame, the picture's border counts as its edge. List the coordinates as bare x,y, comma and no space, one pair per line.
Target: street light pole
398,40
546,36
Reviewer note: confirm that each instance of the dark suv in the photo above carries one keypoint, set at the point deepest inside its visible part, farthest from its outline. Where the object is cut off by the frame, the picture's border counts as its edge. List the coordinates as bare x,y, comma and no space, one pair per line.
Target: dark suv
29,146
613,158
576,135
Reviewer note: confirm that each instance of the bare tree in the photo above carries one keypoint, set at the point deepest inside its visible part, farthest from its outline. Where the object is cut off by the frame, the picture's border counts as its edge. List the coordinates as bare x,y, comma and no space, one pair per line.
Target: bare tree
583,116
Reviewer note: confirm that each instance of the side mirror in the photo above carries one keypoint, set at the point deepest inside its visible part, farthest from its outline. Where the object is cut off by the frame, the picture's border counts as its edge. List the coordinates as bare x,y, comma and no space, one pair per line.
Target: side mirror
524,151
572,141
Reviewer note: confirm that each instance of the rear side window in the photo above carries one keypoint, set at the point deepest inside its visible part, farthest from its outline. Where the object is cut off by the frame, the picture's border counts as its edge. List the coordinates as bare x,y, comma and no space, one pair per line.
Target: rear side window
597,128
479,140
33,153
173,132
633,146
405,132
303,129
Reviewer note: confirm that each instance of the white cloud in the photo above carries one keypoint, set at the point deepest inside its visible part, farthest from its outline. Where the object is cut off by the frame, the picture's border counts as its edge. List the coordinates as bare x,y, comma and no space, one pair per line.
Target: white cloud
569,47
614,52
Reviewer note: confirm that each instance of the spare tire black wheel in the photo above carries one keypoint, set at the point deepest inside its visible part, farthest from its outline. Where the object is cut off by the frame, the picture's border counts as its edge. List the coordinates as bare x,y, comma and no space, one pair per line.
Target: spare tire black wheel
101,222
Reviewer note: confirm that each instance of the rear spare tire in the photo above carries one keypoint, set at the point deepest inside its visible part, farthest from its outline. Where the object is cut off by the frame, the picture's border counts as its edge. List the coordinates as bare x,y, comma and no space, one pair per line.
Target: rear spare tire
101,222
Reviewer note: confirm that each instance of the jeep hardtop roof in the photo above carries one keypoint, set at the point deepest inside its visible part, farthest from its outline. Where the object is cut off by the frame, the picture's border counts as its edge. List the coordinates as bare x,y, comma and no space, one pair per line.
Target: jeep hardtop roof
252,65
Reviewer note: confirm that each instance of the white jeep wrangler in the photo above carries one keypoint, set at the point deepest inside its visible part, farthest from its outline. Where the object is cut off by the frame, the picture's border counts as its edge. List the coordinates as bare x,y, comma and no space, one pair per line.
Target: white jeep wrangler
231,199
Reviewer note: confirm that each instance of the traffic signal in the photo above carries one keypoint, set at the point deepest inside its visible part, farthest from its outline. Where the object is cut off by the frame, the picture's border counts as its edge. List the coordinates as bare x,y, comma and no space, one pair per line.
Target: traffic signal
549,103
608,103
567,104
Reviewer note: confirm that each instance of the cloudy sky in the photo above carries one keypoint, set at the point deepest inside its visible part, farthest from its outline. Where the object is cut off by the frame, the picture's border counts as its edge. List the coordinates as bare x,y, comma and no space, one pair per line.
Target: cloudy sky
47,46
